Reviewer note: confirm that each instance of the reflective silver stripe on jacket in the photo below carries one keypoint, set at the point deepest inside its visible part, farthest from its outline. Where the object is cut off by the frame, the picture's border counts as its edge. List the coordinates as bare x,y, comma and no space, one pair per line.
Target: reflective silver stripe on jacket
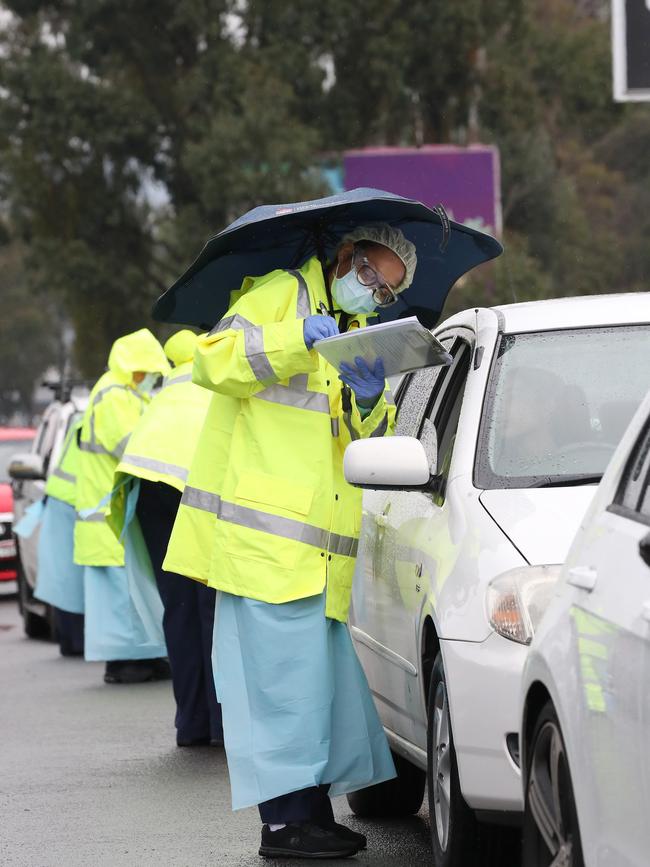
118,451
92,445
382,427
347,418
61,474
95,448
335,427
253,345
203,500
300,398
98,449
100,394
275,525
171,380
157,466
303,307
257,358
237,322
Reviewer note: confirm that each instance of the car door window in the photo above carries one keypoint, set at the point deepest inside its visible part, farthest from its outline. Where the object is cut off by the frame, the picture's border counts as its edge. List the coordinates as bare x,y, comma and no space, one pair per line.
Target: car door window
443,412
644,507
645,503
414,398
41,437
633,497
46,437
449,412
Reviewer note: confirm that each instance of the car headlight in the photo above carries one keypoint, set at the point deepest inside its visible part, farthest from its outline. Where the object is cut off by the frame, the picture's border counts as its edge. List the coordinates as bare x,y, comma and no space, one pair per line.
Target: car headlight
517,600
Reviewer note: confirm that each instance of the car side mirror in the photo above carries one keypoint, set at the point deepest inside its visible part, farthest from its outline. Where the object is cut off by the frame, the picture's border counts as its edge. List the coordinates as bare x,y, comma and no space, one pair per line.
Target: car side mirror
388,463
27,466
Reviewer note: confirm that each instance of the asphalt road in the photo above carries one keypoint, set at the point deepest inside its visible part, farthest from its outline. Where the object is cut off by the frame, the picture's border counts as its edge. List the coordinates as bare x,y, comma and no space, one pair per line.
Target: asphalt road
90,775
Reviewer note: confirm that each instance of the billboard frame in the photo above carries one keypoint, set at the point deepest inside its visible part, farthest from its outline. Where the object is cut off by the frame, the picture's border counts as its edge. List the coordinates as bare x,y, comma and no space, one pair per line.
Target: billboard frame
619,58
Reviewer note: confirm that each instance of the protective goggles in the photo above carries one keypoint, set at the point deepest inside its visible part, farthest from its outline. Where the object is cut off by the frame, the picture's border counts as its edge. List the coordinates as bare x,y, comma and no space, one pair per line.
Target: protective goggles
382,292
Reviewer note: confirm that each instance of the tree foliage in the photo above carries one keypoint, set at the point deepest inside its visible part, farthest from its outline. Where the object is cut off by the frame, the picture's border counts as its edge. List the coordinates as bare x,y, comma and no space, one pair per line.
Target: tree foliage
132,130
29,335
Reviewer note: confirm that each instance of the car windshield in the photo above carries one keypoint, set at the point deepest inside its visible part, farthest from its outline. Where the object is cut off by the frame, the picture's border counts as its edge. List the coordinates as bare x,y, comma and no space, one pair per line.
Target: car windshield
558,403
8,448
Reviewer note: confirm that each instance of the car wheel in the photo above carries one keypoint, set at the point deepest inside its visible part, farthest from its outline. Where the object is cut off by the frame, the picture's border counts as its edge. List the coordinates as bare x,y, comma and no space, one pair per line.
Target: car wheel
457,838
551,835
34,625
401,796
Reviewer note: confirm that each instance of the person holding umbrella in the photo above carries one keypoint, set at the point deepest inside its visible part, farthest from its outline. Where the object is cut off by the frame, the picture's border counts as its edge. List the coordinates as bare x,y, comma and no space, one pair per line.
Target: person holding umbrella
268,519
266,516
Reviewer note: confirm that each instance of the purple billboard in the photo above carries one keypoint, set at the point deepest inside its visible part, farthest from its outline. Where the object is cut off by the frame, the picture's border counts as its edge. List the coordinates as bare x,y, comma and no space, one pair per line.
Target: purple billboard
466,181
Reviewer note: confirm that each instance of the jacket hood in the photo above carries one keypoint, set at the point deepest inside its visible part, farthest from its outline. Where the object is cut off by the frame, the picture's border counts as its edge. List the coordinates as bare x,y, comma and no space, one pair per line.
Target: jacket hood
180,346
137,351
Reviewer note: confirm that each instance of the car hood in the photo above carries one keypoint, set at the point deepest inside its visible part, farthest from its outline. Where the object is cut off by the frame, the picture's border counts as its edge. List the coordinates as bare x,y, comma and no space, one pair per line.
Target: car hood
541,522
6,499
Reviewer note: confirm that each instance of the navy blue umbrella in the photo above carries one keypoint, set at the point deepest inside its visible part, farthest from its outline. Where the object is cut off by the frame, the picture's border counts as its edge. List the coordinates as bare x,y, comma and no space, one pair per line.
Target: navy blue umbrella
285,236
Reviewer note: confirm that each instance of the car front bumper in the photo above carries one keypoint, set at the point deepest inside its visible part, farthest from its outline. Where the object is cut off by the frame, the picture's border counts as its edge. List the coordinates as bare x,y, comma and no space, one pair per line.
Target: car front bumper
8,557
483,684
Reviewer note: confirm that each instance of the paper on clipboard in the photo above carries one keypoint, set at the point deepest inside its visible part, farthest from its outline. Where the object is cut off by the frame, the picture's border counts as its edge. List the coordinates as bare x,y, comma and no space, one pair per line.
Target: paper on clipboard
403,345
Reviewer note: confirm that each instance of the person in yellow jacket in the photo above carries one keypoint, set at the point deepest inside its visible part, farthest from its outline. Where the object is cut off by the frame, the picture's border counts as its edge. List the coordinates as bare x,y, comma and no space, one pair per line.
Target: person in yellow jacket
59,580
113,632
268,519
158,454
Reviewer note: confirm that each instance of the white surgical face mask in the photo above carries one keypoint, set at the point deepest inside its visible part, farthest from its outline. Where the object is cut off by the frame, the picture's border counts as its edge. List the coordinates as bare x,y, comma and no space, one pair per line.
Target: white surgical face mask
148,382
350,295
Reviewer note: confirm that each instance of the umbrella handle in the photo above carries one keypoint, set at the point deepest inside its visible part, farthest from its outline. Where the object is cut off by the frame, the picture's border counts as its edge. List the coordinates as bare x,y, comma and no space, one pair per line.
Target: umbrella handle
320,252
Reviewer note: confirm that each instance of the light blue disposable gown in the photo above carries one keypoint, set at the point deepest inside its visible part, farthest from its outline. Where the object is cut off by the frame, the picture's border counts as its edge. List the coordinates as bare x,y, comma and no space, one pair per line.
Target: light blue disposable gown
123,607
60,581
297,710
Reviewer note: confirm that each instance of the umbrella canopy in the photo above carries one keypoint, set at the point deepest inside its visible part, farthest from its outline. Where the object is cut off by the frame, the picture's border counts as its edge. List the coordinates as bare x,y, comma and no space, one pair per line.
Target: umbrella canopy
285,236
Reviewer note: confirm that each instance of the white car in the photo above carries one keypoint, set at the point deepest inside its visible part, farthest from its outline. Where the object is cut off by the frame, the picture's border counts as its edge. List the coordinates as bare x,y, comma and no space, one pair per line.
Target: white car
464,530
586,686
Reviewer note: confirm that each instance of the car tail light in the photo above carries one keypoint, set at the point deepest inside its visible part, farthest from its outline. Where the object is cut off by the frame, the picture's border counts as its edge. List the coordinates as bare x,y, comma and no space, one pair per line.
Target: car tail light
517,600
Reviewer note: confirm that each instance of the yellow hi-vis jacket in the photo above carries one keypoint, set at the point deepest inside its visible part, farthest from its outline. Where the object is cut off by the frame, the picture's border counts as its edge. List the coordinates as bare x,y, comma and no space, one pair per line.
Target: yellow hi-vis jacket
114,409
266,512
62,481
162,445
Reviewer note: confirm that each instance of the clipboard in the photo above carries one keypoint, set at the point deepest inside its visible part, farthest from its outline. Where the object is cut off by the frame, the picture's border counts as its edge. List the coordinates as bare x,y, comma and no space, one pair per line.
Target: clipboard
403,345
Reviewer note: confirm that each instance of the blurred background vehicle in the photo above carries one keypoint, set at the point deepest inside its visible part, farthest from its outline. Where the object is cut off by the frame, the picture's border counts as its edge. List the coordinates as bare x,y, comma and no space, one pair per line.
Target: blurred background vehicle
12,439
29,472
455,570
585,729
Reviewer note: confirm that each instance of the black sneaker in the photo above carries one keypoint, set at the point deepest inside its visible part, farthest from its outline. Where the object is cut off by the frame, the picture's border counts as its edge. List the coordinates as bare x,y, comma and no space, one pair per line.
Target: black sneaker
193,742
160,668
135,670
346,833
305,840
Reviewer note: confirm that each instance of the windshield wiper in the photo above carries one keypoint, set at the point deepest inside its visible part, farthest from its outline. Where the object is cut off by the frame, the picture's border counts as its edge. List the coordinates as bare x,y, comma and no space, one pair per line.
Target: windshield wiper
566,481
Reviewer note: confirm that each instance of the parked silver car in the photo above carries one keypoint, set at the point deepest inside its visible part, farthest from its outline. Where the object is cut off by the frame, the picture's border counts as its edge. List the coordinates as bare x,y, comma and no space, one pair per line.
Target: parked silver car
29,472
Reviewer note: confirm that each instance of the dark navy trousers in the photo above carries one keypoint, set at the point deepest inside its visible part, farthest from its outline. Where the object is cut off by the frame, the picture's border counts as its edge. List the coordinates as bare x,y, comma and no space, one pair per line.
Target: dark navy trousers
187,622
307,805
69,632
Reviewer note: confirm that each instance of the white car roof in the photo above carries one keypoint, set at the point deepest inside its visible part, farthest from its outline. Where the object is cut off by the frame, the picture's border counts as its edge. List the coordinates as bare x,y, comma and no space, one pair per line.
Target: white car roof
578,312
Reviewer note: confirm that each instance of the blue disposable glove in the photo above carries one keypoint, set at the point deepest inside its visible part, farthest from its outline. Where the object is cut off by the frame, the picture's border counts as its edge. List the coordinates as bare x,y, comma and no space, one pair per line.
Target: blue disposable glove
367,382
317,327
